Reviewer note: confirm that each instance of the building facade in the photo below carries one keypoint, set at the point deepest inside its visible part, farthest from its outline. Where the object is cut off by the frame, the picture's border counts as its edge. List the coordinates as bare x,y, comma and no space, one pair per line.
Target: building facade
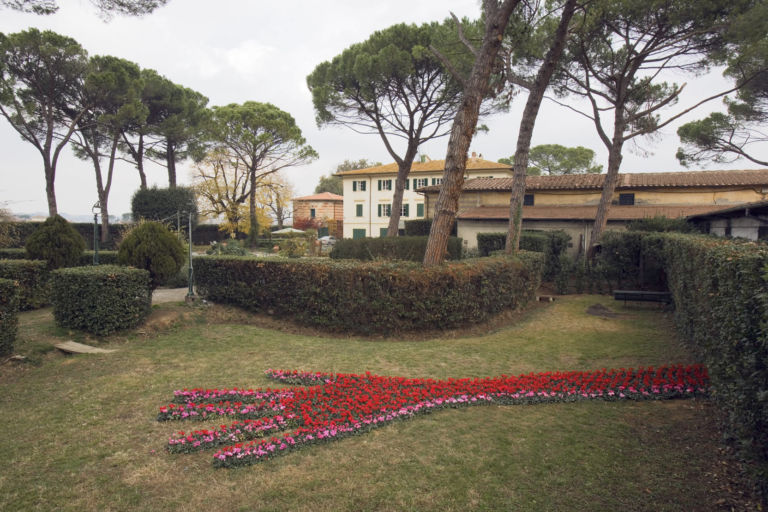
326,209
570,202
368,193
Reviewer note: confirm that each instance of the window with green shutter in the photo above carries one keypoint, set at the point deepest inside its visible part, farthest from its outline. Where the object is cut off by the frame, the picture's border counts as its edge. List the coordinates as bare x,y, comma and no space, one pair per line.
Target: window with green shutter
420,210
359,210
358,233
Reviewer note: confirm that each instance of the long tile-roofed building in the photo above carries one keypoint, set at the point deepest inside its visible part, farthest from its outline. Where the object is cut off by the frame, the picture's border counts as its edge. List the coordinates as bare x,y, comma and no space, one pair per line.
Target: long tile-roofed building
687,179
570,202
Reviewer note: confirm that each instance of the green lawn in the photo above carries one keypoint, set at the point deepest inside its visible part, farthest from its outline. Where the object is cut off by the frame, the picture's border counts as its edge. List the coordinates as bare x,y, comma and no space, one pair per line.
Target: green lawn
79,432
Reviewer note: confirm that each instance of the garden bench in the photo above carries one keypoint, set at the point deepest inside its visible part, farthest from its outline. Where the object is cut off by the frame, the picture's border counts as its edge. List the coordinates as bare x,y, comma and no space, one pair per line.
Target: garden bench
642,296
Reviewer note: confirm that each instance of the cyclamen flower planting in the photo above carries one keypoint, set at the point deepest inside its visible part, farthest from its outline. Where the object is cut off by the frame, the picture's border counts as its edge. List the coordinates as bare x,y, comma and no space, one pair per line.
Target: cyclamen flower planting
339,405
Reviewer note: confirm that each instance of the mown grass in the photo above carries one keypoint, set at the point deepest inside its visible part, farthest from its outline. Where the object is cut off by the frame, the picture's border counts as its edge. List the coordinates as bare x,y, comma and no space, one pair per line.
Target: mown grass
79,432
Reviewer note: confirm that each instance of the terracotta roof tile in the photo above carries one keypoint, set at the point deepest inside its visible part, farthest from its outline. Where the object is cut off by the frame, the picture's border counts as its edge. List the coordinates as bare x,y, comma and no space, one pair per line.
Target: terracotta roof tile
735,178
324,196
615,212
473,164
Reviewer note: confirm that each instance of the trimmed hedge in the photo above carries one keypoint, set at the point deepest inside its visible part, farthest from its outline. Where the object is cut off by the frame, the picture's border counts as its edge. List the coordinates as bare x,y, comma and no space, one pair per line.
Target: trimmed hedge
371,297
552,243
13,254
421,227
101,299
105,258
9,320
32,279
720,289
407,248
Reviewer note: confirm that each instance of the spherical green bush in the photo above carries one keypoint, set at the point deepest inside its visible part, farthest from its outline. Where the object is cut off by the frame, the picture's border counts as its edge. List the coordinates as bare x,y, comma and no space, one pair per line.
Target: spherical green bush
151,246
56,242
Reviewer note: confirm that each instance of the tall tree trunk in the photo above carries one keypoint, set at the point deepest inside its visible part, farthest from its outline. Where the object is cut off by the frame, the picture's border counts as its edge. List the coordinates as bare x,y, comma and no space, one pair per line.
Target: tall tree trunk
403,170
527,123
104,192
609,187
170,161
254,225
140,163
50,192
464,124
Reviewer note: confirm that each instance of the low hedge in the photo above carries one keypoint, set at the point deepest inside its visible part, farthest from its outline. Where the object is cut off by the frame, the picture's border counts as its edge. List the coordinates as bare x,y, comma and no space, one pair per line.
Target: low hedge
407,248
105,258
9,320
32,279
371,297
13,254
101,299
720,290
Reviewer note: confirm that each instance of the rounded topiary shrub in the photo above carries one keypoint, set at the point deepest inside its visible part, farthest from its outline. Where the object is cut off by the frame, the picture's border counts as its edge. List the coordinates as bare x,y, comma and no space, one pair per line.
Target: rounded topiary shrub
153,247
100,299
56,242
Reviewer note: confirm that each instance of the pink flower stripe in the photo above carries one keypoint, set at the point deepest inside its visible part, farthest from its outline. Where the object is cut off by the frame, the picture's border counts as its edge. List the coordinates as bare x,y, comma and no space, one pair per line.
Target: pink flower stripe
203,411
183,396
236,432
349,404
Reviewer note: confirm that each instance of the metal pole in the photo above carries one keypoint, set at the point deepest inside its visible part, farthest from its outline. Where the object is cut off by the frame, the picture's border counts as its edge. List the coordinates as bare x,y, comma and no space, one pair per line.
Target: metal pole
95,239
190,292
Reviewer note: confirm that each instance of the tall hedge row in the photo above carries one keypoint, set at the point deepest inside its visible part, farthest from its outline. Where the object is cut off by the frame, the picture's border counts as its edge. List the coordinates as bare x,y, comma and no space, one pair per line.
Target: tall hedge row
32,279
202,234
407,248
9,321
552,243
721,310
102,299
371,297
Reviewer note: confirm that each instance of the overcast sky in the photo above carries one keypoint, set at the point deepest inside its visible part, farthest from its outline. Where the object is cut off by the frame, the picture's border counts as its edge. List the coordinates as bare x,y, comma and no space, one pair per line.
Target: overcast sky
241,50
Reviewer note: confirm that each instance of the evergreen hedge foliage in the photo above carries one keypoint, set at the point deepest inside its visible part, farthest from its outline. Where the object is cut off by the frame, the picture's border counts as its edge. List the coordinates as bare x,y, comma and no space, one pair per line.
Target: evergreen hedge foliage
202,234
56,242
9,320
101,299
421,227
13,254
32,279
105,257
552,243
720,290
163,204
151,246
371,297
407,248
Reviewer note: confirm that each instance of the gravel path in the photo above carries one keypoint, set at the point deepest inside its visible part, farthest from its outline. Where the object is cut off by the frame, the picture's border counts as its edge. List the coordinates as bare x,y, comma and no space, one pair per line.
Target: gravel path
169,295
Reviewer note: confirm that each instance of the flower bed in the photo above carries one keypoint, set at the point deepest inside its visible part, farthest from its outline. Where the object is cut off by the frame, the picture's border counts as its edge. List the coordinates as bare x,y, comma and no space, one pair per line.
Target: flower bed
339,405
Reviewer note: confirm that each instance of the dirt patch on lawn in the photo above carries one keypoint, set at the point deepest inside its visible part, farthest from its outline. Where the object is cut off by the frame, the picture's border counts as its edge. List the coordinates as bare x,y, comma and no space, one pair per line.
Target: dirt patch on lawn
601,311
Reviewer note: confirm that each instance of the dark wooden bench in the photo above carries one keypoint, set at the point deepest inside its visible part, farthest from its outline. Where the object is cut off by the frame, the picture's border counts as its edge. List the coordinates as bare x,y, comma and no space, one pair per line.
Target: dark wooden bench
642,296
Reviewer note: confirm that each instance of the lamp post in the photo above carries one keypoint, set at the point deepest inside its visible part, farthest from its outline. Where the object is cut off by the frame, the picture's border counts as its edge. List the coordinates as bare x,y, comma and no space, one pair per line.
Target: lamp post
191,292
96,209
